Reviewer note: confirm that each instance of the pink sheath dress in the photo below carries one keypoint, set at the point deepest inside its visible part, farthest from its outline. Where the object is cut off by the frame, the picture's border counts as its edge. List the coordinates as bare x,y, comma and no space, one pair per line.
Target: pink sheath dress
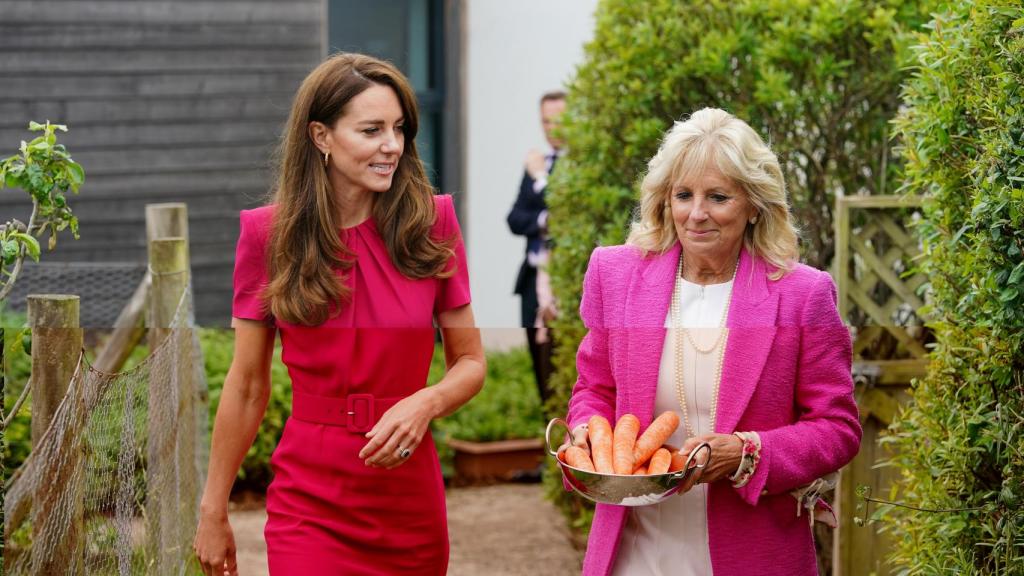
328,513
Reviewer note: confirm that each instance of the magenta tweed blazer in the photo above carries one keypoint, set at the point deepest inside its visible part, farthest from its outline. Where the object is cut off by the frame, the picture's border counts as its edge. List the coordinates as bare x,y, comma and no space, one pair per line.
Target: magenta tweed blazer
786,375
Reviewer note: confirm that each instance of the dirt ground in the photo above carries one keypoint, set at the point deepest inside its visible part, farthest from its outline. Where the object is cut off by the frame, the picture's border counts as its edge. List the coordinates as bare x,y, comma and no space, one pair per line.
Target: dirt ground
499,530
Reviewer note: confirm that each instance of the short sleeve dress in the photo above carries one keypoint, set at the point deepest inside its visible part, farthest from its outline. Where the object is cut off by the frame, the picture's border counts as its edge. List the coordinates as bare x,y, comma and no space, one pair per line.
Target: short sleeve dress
328,513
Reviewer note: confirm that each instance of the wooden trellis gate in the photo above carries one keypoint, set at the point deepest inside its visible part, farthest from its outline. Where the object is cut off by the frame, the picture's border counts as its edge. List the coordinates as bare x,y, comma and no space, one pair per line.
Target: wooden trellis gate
879,299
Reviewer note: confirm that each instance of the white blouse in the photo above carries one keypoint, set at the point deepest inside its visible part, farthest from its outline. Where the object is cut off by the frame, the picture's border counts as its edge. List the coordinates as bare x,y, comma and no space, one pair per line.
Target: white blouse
671,538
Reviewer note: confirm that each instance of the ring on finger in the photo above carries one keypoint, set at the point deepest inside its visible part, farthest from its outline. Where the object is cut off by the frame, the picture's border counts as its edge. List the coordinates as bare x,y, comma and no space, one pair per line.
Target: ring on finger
404,453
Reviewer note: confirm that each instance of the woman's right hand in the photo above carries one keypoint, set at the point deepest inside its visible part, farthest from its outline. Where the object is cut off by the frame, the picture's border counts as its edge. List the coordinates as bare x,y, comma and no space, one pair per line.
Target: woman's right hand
214,545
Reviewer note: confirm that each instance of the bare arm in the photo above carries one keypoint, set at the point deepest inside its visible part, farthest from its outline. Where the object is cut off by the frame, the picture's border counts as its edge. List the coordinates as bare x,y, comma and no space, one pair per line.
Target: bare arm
242,405
404,425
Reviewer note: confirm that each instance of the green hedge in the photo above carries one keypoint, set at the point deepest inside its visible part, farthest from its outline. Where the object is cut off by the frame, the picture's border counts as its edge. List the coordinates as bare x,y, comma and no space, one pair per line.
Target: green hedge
507,407
16,367
819,79
960,443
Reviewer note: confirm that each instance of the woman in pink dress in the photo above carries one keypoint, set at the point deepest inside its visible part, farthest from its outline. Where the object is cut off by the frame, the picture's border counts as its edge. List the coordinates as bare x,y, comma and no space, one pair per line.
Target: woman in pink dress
353,263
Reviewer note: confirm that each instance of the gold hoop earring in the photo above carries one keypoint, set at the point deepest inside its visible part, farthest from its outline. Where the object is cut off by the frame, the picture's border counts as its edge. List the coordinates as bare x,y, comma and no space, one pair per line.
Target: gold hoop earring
327,157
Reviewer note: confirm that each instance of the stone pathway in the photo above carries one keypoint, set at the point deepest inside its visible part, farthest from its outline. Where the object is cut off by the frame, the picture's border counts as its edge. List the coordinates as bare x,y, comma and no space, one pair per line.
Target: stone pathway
499,530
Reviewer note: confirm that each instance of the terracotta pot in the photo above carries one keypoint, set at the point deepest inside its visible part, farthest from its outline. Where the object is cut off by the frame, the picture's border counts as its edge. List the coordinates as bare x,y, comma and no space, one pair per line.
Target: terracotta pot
502,460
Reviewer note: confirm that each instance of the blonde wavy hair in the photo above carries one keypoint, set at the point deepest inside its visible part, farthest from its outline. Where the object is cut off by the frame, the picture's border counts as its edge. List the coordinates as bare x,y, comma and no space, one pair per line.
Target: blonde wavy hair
714,136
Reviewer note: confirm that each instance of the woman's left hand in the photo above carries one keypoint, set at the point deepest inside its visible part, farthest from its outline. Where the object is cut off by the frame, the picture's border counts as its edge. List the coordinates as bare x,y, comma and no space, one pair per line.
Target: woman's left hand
726,452
399,429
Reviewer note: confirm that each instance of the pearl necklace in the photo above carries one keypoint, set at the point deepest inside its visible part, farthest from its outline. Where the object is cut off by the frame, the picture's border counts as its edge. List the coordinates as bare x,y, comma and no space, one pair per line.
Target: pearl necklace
677,324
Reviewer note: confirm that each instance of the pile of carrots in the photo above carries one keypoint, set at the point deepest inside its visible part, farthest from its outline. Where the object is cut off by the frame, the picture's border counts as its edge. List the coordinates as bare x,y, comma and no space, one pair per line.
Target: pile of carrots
626,451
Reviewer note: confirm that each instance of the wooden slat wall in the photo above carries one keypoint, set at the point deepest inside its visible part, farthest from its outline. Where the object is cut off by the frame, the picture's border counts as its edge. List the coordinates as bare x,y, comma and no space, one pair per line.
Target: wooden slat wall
166,101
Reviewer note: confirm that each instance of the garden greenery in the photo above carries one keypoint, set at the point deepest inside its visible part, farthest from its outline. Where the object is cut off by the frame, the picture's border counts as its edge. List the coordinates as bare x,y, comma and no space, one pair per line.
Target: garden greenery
44,170
506,408
819,80
960,443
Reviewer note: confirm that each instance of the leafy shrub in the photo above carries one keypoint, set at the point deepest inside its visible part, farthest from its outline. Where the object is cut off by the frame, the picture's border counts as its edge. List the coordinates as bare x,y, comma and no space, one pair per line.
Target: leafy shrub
820,80
508,407
44,170
16,368
218,350
960,444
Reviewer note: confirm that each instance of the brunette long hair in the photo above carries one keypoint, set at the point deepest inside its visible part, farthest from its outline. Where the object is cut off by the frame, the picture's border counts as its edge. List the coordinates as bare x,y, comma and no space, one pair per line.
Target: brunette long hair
305,248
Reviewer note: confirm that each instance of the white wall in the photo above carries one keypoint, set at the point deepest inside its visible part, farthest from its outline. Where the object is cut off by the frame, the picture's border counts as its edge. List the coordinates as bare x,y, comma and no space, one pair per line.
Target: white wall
515,51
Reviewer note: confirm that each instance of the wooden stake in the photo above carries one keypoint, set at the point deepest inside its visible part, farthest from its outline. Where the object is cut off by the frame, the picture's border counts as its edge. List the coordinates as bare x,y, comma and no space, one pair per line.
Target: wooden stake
56,348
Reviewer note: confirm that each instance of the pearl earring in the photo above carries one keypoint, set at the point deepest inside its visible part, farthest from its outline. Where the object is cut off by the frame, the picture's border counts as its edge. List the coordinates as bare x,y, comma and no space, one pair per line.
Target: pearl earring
753,220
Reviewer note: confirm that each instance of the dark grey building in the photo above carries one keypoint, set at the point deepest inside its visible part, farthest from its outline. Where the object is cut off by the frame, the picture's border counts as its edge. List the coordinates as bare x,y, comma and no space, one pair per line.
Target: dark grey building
183,101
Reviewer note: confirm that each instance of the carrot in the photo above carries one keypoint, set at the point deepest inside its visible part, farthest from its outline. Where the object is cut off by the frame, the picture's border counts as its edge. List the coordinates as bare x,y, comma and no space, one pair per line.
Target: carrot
600,432
578,458
678,461
622,448
655,435
641,471
660,461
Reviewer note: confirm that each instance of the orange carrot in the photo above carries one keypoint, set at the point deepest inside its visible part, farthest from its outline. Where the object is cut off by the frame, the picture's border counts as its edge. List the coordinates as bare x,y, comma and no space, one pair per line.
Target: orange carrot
622,448
678,461
655,435
578,458
600,432
660,461
641,471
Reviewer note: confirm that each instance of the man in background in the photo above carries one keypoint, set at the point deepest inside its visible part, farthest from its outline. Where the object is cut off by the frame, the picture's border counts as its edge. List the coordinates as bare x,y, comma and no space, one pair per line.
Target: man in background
529,217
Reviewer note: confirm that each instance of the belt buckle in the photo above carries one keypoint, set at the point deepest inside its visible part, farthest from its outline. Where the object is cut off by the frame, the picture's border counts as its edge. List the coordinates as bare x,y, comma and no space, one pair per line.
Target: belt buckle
359,420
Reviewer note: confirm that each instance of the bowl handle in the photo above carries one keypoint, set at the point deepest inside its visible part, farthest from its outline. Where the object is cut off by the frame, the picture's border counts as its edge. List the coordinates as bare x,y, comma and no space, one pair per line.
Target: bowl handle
552,449
686,467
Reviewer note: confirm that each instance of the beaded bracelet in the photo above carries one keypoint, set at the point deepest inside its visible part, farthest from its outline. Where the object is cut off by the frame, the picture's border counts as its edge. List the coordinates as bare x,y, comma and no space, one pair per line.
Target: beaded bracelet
751,455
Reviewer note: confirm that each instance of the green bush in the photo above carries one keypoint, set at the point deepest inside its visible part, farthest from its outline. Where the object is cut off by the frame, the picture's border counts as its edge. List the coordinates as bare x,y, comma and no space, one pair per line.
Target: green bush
960,443
16,367
820,80
218,350
508,407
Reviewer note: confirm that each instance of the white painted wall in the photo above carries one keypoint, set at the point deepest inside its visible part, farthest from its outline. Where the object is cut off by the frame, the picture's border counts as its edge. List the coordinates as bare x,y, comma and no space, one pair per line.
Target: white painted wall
515,51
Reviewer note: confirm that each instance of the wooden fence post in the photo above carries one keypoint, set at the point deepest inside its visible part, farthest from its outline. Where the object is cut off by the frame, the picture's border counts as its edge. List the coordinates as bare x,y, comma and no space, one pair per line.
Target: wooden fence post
170,426
56,347
169,220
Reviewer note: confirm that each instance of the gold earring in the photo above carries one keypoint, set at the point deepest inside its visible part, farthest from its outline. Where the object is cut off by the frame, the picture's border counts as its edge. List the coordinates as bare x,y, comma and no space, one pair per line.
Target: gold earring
327,157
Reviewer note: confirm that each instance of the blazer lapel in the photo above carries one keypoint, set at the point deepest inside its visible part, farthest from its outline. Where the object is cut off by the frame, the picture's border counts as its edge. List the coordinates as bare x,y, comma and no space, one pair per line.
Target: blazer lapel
751,323
647,303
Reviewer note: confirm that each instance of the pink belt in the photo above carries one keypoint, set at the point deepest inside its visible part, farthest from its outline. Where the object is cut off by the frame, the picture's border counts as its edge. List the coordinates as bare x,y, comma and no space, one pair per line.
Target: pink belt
357,412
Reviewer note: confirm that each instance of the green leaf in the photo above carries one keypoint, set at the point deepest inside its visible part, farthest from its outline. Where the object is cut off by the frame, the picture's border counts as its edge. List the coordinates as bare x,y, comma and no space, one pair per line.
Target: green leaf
30,243
8,251
36,126
75,175
1008,294
1017,274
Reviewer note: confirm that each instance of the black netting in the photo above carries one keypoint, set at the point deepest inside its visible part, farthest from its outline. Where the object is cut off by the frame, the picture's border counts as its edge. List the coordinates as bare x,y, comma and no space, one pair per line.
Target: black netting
104,287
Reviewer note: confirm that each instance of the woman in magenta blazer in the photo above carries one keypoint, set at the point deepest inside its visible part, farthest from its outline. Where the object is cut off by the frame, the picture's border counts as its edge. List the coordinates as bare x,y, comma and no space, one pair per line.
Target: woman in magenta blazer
706,312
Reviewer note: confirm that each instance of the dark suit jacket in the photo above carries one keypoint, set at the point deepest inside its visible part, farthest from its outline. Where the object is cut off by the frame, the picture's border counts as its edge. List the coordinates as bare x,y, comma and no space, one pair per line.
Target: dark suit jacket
522,220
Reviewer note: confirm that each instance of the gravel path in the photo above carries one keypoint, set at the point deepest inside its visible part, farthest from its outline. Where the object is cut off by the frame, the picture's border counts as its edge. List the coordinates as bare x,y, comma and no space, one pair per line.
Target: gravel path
499,530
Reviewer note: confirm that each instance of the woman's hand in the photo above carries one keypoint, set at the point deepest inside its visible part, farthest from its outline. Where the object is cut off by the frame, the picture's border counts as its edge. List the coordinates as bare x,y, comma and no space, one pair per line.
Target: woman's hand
214,545
400,428
726,452
578,438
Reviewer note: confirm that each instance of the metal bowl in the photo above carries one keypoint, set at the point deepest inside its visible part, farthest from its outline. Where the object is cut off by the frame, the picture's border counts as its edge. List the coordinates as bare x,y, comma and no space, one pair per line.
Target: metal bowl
622,489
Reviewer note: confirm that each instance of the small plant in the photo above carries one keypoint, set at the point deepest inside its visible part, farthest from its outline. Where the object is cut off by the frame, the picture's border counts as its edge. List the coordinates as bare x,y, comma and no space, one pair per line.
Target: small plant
44,170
